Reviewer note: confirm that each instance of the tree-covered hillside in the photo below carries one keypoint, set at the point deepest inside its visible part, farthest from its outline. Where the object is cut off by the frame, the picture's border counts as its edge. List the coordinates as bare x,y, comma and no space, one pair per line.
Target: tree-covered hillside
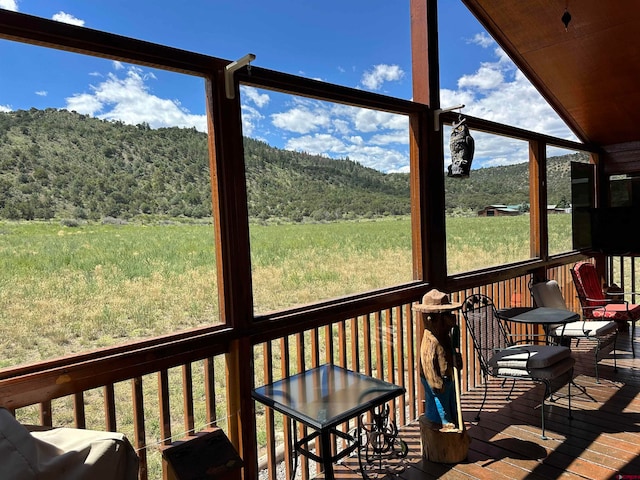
509,185
61,164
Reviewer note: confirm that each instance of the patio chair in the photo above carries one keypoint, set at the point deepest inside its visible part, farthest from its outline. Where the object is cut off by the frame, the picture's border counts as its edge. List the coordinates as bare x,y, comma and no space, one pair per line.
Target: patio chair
602,332
596,305
500,357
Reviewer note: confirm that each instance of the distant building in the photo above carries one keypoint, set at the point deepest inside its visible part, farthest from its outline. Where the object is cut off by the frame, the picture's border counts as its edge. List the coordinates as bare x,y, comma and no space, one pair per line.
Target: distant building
556,209
499,211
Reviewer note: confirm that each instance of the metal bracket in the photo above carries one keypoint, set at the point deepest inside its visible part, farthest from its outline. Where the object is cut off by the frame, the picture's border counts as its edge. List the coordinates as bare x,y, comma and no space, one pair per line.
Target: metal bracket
229,71
436,115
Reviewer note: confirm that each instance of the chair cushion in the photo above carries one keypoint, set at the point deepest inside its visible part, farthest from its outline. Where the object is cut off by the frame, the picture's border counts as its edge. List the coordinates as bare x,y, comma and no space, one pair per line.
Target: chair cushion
548,294
549,373
581,328
587,284
617,311
541,356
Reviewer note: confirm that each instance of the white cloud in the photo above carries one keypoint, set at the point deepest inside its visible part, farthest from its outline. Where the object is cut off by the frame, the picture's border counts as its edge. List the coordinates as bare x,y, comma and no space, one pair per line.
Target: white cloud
399,137
42,93
128,99
318,144
251,93
250,118
483,39
67,18
487,77
5,108
382,159
9,5
373,138
85,103
374,79
341,126
301,120
118,65
365,120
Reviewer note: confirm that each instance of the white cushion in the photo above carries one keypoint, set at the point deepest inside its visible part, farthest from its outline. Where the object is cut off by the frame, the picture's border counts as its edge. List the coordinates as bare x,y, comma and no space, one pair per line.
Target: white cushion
582,328
529,357
548,373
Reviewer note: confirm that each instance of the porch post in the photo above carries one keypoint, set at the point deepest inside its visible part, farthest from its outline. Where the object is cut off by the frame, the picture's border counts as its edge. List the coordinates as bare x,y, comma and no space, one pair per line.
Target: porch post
231,225
427,158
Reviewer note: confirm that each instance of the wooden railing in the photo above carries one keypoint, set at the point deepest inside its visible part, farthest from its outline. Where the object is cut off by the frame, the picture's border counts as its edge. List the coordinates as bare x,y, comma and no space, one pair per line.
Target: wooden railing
624,271
383,343
154,391
160,390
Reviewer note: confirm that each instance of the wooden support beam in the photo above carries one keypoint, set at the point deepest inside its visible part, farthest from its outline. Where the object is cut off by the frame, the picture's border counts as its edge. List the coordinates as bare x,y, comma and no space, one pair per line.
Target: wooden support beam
427,158
539,243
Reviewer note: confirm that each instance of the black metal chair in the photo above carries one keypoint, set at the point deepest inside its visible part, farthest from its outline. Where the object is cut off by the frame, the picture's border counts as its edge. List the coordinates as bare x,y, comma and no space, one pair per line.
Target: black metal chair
501,356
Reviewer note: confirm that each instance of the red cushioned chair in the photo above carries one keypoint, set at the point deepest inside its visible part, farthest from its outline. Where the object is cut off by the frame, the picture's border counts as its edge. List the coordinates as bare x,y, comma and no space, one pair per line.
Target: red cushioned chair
596,305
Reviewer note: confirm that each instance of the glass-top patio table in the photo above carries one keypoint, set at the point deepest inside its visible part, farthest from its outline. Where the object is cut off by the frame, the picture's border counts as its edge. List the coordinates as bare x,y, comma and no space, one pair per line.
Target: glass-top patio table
323,398
544,316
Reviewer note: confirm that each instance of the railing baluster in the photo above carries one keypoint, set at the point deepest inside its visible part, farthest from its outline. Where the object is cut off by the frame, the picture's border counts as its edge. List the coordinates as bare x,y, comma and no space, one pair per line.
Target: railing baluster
400,353
633,279
164,407
187,399
388,348
379,346
46,419
140,436
267,352
110,421
328,341
367,343
210,390
342,344
302,430
355,344
286,425
79,419
315,347
411,362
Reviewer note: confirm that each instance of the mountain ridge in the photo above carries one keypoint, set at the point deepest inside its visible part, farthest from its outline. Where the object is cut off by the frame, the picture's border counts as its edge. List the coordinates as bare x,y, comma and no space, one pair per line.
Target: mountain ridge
62,164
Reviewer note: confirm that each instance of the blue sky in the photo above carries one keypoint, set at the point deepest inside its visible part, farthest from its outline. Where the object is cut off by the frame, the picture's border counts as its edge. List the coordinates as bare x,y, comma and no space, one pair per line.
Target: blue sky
357,43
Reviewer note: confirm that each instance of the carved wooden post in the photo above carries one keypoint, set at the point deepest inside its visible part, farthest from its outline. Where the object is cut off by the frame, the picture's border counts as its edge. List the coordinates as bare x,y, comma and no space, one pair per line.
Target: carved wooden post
442,430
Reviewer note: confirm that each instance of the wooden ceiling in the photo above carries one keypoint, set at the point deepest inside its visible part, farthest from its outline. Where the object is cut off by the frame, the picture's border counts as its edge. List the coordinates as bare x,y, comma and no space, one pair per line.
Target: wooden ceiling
589,73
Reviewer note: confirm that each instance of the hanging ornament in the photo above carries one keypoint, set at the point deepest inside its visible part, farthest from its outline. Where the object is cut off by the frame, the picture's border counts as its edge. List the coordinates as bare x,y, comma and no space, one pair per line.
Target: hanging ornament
462,147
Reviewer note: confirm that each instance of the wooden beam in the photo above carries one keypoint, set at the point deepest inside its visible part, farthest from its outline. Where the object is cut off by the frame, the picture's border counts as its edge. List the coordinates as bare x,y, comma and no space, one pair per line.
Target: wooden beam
427,157
538,241
62,36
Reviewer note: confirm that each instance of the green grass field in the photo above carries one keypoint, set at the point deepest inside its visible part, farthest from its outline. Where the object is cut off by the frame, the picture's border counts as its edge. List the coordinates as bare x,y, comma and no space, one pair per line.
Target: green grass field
70,289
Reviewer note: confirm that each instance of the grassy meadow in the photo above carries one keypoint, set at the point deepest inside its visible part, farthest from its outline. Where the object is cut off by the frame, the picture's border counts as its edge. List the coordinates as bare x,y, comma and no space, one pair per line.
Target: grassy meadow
70,289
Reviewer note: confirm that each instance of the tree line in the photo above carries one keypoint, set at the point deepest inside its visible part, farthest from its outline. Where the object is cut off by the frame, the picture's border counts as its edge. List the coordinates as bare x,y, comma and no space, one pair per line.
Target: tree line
61,164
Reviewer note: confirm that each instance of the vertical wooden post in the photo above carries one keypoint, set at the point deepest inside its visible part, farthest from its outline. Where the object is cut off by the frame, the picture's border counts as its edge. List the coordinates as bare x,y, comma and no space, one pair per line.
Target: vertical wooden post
427,158
539,241
233,258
